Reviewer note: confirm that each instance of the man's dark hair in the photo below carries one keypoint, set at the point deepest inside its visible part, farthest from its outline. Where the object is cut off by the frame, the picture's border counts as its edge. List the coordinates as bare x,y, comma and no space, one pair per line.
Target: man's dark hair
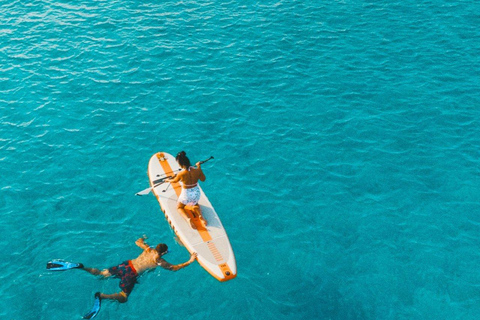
161,248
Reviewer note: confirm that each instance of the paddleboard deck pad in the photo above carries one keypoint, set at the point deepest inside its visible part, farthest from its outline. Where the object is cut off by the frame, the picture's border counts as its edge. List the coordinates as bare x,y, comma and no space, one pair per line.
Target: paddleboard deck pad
210,242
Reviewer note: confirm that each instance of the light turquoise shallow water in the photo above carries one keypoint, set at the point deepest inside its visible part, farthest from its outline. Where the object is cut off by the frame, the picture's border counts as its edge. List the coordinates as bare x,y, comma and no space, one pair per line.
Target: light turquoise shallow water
346,138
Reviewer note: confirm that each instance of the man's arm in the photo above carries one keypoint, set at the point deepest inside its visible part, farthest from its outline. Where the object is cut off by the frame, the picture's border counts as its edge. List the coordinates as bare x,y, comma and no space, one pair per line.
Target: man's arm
141,243
175,267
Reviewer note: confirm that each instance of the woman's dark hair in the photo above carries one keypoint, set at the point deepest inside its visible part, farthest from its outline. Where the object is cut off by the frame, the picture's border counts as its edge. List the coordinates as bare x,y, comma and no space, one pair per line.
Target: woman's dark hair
182,160
161,248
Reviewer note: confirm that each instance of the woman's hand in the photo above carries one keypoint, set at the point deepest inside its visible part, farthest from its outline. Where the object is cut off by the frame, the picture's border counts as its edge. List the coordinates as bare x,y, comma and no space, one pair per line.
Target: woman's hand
169,179
198,164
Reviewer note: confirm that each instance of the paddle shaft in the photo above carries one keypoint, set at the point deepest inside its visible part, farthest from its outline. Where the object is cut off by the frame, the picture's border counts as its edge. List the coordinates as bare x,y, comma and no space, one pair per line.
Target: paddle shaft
200,162
162,180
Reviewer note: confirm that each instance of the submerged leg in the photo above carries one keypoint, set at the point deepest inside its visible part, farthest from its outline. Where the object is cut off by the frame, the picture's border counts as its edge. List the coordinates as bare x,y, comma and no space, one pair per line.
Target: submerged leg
97,272
120,297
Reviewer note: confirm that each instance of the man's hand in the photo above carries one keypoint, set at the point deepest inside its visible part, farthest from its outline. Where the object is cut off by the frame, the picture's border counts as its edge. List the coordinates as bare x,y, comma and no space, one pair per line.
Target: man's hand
193,256
140,242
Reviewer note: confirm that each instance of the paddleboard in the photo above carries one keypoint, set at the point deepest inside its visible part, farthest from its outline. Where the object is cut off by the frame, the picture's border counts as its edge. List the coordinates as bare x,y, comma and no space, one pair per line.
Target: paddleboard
210,242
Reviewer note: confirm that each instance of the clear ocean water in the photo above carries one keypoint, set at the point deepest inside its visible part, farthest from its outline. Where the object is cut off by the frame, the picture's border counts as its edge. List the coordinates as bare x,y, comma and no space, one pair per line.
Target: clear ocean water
346,137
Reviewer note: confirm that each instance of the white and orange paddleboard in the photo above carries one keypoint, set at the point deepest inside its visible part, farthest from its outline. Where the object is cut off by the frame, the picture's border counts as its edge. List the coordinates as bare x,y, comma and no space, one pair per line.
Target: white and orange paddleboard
210,242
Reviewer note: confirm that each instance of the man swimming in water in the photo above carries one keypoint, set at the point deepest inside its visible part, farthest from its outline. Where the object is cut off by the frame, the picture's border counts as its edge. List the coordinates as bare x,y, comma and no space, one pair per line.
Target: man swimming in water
128,271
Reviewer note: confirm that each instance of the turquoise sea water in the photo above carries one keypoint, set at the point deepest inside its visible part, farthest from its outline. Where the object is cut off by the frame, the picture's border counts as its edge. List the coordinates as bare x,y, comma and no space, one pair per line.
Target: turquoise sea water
346,137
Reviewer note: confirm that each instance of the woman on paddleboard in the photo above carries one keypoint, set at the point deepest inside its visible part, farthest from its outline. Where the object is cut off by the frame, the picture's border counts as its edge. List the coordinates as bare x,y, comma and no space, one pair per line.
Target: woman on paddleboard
190,194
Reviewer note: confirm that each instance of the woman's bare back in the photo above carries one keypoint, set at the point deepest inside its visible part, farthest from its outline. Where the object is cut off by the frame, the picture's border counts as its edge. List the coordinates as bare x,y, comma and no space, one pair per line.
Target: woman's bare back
190,177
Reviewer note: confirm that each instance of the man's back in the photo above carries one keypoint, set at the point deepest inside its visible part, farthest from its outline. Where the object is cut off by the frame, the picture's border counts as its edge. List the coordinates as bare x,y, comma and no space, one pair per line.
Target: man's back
146,260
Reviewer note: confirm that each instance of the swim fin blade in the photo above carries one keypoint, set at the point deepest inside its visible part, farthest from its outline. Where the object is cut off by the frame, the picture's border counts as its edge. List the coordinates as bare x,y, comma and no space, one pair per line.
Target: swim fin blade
60,265
96,307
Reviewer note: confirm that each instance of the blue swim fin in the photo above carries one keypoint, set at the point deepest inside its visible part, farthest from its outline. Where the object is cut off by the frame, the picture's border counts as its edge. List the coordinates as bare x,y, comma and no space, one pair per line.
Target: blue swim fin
96,307
60,265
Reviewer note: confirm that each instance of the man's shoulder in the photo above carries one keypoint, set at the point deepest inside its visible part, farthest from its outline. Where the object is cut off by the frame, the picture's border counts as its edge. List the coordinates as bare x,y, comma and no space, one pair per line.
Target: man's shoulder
164,264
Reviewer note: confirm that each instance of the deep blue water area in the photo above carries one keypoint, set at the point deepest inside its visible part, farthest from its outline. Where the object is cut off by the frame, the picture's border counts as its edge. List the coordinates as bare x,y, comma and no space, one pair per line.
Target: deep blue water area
346,137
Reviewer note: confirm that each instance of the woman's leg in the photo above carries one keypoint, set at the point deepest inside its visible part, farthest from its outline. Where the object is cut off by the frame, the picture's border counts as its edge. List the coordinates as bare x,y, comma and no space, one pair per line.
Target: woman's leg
198,212
183,213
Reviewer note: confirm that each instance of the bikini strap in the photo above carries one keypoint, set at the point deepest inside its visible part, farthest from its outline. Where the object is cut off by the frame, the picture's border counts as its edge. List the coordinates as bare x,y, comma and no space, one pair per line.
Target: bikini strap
190,185
190,175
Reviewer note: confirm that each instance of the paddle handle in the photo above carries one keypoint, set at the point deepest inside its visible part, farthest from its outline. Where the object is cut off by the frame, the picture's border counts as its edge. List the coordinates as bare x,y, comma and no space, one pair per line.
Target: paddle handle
202,162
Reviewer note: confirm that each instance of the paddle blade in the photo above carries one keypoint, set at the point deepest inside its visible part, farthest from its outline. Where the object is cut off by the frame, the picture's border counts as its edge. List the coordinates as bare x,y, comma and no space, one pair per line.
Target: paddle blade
144,192
147,191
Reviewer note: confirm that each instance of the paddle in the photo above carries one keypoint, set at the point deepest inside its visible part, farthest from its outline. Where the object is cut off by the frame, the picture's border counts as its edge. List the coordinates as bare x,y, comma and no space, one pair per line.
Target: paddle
147,191
202,162
161,179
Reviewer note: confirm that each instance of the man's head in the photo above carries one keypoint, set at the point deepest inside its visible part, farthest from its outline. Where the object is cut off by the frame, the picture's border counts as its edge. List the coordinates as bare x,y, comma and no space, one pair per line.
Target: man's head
162,248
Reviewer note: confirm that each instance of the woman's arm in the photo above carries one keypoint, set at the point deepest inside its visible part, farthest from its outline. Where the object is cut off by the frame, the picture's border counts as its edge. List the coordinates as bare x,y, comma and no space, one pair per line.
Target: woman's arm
174,179
201,175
